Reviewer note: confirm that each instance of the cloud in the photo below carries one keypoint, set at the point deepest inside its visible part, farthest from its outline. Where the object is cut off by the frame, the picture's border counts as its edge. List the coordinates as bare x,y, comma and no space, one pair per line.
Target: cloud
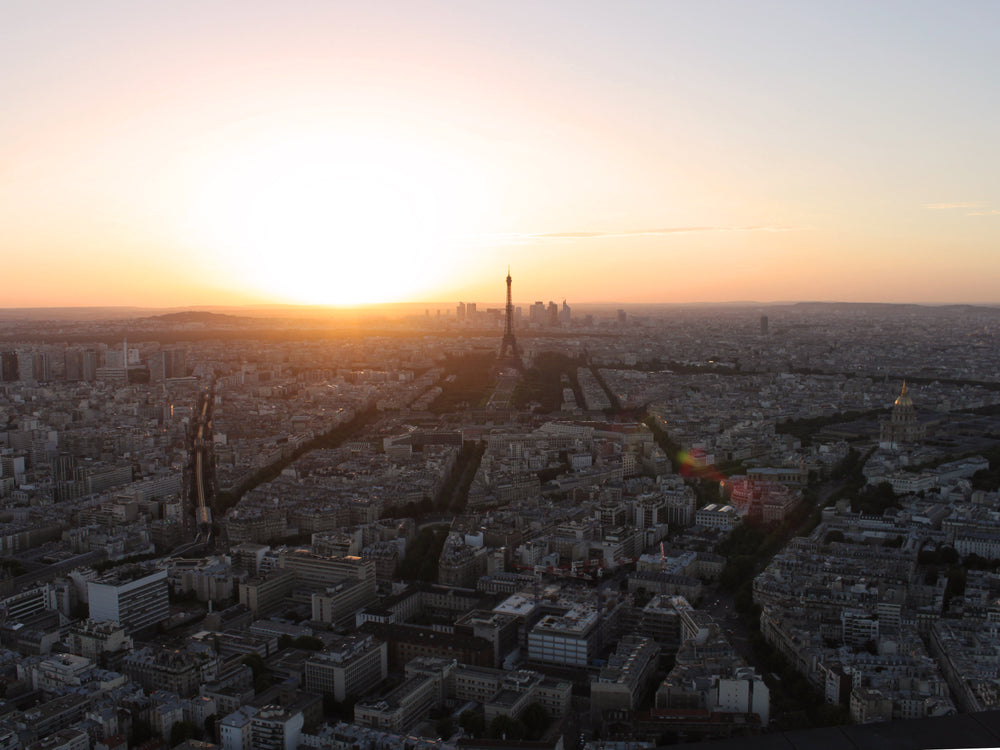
658,232
947,206
557,236
979,206
624,233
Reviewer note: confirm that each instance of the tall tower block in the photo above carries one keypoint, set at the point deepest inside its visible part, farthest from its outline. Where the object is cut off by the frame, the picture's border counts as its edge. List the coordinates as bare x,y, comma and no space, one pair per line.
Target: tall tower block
510,355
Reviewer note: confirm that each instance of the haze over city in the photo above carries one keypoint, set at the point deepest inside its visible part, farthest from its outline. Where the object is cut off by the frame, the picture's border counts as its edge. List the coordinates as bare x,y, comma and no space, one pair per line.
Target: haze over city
638,152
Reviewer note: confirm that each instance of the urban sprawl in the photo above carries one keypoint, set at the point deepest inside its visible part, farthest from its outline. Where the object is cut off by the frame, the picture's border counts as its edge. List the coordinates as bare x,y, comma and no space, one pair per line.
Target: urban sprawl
490,528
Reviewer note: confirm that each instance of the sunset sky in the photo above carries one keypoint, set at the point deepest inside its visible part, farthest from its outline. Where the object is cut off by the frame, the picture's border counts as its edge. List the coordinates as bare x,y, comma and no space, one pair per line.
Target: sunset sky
210,153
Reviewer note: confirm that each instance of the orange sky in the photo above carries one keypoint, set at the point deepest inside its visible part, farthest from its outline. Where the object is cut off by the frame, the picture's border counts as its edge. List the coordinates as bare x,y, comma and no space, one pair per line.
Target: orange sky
335,153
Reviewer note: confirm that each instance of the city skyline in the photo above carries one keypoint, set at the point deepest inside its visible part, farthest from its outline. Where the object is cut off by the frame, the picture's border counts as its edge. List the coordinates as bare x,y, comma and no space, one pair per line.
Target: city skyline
338,154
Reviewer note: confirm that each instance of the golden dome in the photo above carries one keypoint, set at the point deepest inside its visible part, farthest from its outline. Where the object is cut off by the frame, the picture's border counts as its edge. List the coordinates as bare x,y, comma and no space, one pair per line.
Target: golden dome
904,397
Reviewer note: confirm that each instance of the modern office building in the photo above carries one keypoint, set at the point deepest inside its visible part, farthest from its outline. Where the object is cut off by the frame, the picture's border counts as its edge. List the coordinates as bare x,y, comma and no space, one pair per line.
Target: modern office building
276,728
9,371
569,640
130,597
352,668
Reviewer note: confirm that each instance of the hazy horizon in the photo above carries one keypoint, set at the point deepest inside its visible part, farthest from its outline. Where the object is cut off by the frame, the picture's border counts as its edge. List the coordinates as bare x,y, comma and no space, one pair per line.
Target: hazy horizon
418,309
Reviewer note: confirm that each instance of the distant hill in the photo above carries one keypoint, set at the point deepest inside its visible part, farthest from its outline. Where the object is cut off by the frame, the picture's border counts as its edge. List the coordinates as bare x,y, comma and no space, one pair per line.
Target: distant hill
199,316
882,308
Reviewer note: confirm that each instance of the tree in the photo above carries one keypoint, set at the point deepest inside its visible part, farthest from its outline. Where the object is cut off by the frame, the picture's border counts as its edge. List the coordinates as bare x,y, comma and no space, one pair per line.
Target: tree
472,722
504,727
794,720
210,721
421,561
261,674
340,710
835,535
181,732
956,582
308,643
141,731
445,727
875,500
829,715
948,555
536,720
642,596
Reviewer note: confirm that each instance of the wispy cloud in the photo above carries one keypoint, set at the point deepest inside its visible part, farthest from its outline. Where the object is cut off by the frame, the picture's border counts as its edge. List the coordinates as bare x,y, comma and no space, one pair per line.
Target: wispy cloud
975,208
949,206
657,232
512,238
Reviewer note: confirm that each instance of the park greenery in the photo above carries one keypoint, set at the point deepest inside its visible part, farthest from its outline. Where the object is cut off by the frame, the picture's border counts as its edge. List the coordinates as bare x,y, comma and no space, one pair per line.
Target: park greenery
543,382
467,381
988,479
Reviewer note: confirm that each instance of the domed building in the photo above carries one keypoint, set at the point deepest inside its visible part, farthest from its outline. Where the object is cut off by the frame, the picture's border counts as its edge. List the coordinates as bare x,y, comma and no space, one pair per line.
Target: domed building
902,426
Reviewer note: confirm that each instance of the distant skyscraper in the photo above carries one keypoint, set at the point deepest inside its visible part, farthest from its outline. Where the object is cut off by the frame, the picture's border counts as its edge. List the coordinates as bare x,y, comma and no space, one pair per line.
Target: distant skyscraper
763,325
460,312
42,365
90,361
114,358
552,314
178,363
622,317
8,367
26,367
167,363
536,314
74,365
564,315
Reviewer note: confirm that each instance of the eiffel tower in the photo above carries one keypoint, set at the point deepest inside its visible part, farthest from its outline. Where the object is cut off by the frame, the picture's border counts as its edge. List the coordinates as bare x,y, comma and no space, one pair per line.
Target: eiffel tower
510,355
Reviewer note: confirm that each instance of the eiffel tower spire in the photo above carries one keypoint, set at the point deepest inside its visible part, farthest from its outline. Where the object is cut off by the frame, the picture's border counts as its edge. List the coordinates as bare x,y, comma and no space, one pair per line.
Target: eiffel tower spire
510,355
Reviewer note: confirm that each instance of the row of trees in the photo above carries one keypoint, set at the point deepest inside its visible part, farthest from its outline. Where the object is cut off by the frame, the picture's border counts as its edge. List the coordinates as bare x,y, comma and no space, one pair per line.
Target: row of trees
181,731
332,438
454,493
530,726
422,555
806,427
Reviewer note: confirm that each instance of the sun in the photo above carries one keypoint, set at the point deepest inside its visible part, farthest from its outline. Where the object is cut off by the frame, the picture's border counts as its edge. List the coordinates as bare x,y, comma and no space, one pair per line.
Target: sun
316,219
